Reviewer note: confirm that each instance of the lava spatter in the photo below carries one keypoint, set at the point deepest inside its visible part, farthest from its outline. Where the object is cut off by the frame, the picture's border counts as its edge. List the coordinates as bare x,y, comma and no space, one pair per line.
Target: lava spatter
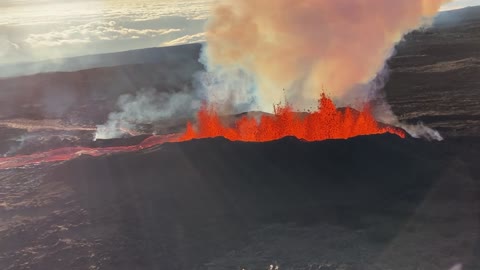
327,122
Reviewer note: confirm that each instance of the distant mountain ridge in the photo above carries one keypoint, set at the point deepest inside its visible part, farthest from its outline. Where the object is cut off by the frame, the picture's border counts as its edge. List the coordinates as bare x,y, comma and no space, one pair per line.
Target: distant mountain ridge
88,96
457,17
142,56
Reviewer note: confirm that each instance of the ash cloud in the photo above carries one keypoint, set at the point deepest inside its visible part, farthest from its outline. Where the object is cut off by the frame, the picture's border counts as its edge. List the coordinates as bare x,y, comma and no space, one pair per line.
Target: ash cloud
309,45
304,45
258,53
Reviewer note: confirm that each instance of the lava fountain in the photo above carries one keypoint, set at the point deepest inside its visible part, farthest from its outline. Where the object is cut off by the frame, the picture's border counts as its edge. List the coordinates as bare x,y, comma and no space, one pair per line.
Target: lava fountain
327,122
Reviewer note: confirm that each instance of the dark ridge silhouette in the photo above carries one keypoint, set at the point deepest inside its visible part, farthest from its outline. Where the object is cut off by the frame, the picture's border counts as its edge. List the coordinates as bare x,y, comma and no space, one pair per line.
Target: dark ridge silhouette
140,56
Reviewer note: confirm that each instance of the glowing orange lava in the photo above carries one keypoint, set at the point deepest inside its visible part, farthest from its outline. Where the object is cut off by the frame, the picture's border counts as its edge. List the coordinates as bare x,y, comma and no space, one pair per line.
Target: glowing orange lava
327,122
68,153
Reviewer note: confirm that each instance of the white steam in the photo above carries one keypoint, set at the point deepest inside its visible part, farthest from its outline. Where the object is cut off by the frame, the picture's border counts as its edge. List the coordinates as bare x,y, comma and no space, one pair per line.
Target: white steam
373,93
256,48
230,91
145,107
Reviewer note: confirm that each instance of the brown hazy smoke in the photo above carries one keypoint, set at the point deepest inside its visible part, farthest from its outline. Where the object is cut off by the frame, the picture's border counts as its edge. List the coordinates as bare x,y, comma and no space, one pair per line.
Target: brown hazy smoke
302,45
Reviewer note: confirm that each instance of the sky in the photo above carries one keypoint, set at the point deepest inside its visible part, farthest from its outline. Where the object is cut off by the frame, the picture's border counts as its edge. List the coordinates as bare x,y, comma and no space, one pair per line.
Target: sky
46,29
460,4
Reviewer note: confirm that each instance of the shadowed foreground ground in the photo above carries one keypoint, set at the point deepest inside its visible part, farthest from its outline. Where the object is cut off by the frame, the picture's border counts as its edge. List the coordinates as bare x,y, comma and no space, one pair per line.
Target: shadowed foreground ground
376,202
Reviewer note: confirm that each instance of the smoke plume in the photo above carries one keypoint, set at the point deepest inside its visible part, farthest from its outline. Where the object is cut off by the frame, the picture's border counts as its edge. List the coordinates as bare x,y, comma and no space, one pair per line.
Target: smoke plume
146,106
260,52
303,45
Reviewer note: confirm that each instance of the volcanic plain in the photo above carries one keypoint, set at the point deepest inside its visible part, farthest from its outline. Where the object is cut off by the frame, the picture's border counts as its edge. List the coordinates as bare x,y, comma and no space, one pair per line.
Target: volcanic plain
370,202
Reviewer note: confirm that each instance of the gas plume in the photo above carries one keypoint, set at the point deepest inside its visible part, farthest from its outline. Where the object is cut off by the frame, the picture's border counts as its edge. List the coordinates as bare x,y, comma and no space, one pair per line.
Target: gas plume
302,45
260,53
146,106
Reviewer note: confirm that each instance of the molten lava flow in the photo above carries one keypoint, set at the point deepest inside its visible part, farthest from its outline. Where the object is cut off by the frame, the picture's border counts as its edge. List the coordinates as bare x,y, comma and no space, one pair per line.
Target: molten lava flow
68,153
327,122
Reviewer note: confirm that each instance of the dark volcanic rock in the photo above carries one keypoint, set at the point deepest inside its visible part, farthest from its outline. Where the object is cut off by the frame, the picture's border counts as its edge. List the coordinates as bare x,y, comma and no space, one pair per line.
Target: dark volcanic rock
87,96
190,205
376,202
435,73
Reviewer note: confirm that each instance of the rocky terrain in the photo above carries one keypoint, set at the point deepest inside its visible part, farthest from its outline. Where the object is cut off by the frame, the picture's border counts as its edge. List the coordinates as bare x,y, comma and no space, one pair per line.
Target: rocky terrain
374,202
435,73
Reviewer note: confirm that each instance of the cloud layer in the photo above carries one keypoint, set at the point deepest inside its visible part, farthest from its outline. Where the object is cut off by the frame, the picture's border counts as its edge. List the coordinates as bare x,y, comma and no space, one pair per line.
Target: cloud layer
46,29
92,32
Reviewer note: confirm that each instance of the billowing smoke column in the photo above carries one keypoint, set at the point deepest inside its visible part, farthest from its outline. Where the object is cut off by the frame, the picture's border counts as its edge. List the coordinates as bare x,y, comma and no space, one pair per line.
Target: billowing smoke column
302,45
260,52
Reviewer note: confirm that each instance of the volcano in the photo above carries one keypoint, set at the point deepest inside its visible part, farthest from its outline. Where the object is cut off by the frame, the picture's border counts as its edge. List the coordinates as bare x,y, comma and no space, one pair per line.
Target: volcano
250,191
326,123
